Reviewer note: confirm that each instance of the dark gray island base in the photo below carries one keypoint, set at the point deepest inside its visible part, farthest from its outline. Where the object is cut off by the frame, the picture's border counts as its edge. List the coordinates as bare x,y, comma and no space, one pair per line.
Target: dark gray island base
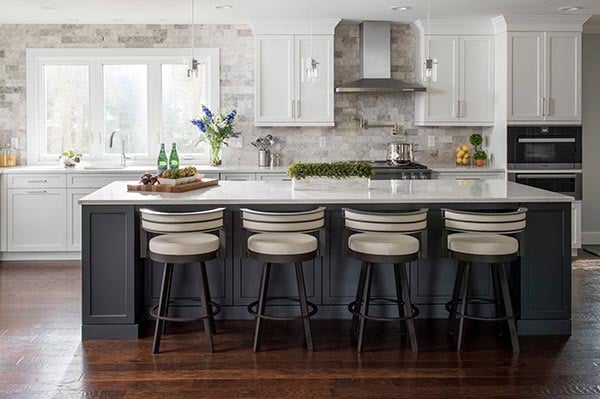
119,287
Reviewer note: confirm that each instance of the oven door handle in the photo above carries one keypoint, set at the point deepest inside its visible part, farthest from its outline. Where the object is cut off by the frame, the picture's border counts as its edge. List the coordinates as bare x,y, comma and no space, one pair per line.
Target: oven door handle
547,176
547,140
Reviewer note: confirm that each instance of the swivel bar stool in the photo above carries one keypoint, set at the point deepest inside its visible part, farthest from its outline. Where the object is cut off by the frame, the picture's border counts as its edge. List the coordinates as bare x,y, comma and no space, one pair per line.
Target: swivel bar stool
282,238
178,238
376,238
480,237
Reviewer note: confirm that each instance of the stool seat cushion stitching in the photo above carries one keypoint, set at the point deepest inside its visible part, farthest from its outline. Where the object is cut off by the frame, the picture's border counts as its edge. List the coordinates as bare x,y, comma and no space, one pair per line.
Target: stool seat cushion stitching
282,243
386,244
184,244
482,244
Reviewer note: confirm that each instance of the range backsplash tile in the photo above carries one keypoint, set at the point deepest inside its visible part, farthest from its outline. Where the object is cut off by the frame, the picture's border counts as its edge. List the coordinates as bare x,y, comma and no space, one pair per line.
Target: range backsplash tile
236,42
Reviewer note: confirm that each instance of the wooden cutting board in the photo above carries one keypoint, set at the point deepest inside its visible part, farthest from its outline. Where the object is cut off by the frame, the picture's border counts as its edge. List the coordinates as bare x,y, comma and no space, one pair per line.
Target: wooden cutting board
181,188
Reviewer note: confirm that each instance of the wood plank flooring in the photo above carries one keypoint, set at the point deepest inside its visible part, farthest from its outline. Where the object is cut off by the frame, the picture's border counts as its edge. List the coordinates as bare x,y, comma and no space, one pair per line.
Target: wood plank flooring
42,356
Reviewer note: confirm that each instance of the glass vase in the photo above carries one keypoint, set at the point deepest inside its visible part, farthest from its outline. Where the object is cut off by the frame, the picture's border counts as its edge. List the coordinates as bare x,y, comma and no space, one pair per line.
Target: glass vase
216,154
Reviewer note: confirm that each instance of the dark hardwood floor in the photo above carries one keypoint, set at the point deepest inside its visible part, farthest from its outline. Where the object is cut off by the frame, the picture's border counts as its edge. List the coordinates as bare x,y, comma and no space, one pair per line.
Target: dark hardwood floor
42,356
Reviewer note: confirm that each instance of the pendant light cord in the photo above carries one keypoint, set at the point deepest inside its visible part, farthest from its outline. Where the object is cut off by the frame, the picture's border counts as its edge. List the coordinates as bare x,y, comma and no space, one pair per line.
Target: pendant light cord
193,31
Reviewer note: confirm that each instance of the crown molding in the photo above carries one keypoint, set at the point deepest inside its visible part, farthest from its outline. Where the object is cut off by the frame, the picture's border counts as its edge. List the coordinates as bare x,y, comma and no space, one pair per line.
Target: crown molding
294,26
542,23
453,27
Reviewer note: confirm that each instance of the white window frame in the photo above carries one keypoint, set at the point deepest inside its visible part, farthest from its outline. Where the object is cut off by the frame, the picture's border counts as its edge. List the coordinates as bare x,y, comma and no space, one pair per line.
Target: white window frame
95,59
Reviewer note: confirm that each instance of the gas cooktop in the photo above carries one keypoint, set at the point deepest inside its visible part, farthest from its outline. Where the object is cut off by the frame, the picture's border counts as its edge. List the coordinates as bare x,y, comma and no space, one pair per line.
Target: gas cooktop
394,165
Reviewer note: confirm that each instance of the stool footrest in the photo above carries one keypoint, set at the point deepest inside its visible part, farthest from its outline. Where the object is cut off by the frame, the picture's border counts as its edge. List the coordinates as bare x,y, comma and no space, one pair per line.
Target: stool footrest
253,305
216,309
352,307
479,318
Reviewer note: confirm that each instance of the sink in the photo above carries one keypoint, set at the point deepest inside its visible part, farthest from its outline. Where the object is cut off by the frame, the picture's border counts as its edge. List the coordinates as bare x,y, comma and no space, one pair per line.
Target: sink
103,167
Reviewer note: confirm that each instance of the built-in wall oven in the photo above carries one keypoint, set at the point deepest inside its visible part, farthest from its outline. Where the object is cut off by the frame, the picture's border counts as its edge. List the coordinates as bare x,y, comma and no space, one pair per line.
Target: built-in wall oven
546,157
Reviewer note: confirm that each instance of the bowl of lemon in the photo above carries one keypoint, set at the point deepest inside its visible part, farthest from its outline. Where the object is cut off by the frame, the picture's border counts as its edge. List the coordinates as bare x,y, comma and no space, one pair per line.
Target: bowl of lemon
462,155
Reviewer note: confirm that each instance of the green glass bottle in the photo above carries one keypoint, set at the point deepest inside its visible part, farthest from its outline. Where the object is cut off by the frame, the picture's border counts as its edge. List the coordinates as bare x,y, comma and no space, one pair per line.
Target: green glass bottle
162,163
174,158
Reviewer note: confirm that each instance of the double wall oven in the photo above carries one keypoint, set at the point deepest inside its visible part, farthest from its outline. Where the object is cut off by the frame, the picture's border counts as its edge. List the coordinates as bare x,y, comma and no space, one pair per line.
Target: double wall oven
547,157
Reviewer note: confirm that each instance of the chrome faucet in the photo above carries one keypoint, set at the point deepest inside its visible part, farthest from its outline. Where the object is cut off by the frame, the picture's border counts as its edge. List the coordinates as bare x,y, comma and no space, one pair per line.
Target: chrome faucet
124,157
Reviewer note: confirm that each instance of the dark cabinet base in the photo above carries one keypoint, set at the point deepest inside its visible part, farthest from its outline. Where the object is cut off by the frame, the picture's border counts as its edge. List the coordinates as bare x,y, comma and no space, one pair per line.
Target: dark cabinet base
119,286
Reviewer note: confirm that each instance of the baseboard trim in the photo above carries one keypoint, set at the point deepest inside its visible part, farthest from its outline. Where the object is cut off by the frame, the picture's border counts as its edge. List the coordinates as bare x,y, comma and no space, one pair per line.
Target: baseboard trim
590,237
19,256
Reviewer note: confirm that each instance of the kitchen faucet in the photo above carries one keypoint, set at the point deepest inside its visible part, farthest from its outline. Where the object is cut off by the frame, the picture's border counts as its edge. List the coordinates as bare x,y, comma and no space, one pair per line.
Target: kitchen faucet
124,157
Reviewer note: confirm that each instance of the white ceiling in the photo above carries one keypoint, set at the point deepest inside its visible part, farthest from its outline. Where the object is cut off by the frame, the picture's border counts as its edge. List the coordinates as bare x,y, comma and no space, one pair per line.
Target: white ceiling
178,11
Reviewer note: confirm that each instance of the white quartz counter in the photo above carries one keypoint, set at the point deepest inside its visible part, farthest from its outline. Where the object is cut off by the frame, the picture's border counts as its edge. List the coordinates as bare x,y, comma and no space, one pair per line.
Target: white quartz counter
381,192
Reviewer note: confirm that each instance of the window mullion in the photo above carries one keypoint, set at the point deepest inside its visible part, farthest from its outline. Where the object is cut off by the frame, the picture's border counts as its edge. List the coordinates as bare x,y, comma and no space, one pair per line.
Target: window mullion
154,107
96,109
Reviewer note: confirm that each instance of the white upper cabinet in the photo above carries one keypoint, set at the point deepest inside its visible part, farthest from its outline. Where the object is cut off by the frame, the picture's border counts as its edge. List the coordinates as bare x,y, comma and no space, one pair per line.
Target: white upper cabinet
463,93
544,77
476,68
283,97
275,75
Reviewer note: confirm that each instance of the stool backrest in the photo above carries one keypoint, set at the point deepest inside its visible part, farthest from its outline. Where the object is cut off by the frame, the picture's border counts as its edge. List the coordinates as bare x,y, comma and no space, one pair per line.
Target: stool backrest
485,222
181,222
286,222
385,222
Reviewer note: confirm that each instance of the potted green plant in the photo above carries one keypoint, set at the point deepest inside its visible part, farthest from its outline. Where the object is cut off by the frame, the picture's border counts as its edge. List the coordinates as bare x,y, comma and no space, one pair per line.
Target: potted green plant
476,140
307,176
480,157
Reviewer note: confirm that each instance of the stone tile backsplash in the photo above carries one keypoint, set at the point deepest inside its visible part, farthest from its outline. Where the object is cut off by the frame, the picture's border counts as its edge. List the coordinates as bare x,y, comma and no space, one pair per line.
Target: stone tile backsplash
236,42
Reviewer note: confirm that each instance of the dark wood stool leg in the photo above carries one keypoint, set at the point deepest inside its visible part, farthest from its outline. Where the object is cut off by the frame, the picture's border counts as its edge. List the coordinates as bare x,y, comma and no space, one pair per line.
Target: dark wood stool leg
497,295
262,299
162,305
364,306
512,326
401,313
455,297
410,323
359,290
206,286
463,307
206,308
304,306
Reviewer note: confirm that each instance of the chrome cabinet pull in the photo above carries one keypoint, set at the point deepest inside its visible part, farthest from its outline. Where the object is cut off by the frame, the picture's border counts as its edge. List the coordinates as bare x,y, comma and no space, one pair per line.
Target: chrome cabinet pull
293,109
547,140
37,192
38,181
547,176
297,108
543,106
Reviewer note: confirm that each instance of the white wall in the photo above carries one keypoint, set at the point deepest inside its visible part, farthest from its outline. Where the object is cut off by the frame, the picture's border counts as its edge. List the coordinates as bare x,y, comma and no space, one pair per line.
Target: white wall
591,138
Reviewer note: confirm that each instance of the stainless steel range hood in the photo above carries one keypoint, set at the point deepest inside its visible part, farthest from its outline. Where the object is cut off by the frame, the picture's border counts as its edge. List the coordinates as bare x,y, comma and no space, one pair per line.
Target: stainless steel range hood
375,63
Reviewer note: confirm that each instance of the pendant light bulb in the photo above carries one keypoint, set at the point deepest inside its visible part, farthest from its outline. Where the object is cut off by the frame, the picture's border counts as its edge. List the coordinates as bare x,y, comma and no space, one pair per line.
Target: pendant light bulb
429,64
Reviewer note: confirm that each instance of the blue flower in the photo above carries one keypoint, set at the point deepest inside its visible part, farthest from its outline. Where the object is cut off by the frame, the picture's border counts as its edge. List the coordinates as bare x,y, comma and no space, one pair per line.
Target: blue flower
231,116
200,124
207,112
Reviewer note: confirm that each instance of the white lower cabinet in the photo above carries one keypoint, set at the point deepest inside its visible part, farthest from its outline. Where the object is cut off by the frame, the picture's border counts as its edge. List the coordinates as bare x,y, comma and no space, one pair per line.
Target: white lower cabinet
74,217
36,219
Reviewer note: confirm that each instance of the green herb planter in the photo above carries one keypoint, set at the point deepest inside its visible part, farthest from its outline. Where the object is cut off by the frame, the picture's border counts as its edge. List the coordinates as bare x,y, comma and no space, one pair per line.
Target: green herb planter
330,176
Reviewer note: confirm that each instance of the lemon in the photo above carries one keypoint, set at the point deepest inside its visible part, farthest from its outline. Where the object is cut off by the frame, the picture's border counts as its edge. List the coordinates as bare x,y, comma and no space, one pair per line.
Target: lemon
465,148
460,154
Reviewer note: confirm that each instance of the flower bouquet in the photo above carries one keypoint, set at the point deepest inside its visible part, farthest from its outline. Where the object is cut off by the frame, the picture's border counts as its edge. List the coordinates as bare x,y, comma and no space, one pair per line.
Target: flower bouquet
216,130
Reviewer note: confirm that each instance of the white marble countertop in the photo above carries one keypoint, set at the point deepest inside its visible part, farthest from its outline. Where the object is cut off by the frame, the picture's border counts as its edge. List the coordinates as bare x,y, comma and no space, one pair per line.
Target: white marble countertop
381,192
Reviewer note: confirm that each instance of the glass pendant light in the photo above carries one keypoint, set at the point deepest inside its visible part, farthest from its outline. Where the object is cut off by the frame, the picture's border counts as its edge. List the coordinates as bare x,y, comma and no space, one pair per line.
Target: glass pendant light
310,65
192,71
429,64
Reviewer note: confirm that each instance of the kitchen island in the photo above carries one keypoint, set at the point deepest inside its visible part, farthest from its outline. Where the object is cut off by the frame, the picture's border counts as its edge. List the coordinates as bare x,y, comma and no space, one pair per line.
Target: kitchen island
119,286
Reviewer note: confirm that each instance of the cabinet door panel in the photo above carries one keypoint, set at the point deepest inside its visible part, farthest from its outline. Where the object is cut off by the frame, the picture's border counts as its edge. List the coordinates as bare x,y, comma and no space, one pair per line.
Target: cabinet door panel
477,79
442,95
274,78
74,217
525,76
37,220
315,99
563,76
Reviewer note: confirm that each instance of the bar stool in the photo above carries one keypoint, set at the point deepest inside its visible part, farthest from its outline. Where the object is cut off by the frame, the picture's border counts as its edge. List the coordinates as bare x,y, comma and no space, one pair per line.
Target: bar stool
178,238
376,238
282,238
481,237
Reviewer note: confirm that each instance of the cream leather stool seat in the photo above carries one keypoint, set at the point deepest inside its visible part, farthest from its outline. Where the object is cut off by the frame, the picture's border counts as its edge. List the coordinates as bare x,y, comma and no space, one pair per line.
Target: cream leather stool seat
282,243
184,244
482,244
386,244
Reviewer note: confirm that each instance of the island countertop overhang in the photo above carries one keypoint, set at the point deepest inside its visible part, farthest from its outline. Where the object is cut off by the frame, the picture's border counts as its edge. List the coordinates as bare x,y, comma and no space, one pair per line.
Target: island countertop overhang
380,192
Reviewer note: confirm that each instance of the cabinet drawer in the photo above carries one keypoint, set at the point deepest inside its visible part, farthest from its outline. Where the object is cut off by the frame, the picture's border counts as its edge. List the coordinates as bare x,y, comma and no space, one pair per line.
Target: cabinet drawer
273,177
97,181
238,176
36,181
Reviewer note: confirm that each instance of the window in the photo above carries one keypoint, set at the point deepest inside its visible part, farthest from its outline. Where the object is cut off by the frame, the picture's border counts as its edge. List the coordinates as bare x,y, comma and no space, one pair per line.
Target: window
78,97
